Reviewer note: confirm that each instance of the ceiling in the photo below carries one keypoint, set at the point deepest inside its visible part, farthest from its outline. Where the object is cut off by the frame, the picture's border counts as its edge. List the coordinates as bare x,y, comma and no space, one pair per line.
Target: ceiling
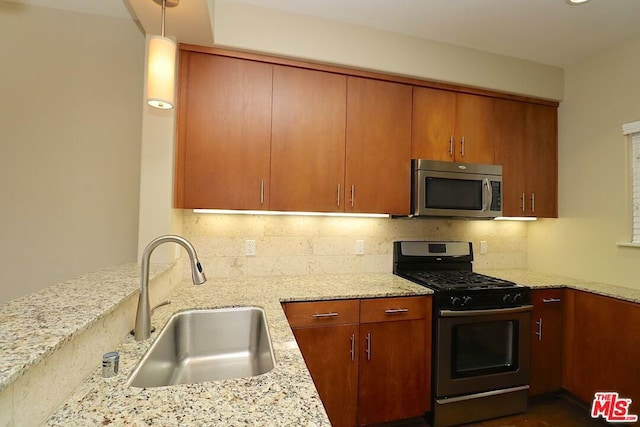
544,31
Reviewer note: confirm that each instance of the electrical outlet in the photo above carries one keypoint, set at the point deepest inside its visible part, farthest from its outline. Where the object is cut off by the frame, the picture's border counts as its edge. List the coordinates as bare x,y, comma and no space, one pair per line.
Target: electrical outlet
483,247
250,247
359,247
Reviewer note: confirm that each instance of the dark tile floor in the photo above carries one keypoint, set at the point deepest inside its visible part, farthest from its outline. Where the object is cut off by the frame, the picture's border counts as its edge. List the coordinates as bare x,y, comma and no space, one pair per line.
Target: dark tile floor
549,412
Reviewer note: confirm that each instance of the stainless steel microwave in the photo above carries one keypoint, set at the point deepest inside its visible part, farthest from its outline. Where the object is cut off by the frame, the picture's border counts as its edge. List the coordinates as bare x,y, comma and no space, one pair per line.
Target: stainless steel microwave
450,189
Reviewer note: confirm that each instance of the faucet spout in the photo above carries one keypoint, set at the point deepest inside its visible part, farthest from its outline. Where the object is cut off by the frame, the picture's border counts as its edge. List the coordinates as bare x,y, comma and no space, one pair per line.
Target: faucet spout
143,313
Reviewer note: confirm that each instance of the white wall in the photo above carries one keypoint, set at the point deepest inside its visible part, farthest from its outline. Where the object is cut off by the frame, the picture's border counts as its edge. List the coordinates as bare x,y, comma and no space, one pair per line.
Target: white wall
601,94
70,128
257,29
267,31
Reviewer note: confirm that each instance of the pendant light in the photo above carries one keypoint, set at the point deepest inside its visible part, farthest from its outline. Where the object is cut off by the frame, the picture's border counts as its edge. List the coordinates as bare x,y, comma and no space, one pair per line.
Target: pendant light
161,64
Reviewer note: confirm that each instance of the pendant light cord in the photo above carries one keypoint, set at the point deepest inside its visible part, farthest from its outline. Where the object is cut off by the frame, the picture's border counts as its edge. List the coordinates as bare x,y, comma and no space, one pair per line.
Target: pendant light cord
164,4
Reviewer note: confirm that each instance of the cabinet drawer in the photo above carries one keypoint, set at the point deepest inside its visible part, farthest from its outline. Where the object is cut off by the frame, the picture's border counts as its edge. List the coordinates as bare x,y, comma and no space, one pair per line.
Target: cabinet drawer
390,309
542,298
321,313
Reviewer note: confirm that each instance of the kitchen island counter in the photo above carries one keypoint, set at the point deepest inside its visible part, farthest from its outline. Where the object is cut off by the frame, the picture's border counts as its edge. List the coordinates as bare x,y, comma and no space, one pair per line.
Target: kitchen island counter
284,396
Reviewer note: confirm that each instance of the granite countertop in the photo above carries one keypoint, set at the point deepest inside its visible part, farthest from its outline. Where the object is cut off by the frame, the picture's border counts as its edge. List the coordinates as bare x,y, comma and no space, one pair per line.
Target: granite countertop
284,396
536,279
36,325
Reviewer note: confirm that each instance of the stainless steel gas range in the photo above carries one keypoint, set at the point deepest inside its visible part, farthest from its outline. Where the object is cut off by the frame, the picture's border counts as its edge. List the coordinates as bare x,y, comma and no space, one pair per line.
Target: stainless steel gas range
481,328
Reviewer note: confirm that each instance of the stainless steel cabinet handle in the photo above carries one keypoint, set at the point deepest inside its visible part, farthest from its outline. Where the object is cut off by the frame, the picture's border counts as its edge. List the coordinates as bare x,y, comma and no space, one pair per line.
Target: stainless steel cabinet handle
539,331
450,145
368,351
533,202
262,192
353,194
550,300
323,315
396,310
338,195
462,146
524,197
353,346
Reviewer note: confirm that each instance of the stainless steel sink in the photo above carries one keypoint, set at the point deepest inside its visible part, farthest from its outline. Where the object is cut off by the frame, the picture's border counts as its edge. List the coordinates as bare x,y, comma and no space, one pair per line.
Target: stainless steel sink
207,345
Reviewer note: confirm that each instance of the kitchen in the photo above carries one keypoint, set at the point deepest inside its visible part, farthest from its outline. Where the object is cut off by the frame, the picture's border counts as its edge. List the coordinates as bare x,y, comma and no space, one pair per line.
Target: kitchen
580,244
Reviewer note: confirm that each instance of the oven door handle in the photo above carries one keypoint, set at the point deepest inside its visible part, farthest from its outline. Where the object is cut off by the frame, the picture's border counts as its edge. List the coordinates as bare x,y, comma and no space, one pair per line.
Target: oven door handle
470,313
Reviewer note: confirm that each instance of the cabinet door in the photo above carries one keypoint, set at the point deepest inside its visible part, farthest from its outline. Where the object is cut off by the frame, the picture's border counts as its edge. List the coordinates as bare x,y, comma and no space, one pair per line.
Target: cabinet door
433,124
378,162
392,371
452,126
224,112
542,160
602,347
308,140
330,353
474,129
546,341
510,153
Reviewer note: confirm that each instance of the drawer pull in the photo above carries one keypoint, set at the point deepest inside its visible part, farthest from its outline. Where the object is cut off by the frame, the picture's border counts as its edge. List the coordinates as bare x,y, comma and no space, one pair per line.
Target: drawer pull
550,300
396,310
323,315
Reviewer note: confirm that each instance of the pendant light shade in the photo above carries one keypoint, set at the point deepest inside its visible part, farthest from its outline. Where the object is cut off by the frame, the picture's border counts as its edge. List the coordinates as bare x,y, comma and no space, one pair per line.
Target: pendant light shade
161,65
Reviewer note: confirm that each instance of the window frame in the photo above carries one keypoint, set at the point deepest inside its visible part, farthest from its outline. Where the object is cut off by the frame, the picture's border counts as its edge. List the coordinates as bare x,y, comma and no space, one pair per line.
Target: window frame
632,133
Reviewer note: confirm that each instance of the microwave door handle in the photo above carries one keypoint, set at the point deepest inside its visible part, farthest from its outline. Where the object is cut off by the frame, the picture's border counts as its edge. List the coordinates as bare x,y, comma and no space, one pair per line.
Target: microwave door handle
488,194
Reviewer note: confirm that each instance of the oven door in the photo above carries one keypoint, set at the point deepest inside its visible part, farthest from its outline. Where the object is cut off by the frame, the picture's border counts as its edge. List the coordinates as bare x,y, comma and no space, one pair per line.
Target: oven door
481,350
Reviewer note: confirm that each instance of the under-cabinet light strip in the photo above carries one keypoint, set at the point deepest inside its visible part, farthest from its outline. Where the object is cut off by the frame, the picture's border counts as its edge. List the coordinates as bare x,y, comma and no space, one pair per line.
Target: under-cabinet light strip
515,218
249,212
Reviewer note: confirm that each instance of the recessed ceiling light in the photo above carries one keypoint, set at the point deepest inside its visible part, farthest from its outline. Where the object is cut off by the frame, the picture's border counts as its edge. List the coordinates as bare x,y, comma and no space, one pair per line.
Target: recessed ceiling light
576,2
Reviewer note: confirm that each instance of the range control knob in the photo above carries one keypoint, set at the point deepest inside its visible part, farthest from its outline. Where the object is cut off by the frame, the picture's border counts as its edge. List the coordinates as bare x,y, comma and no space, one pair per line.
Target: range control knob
517,297
455,301
507,298
466,300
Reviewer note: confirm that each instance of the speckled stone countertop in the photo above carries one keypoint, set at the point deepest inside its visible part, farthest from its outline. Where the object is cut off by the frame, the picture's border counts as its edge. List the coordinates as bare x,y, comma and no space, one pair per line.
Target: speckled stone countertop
35,326
543,280
284,396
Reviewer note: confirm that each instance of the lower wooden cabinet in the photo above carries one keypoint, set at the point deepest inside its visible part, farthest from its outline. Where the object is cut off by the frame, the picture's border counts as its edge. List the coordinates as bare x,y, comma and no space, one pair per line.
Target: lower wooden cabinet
327,333
373,370
545,372
601,347
333,366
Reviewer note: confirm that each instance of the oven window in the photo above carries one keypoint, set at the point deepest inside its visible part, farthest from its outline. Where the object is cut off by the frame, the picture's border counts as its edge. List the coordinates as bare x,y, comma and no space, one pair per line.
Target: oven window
447,193
484,348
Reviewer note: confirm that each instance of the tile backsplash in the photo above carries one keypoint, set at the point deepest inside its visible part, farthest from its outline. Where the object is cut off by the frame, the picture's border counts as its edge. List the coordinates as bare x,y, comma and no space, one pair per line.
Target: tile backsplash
300,245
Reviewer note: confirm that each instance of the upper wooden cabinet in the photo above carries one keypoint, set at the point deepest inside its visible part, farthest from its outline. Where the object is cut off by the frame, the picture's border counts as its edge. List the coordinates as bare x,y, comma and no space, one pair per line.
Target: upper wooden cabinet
308,140
263,133
452,126
224,132
541,181
378,147
526,147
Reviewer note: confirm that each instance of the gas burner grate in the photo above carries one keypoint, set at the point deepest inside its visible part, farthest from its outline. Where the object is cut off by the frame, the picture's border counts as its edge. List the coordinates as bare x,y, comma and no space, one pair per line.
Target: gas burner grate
458,280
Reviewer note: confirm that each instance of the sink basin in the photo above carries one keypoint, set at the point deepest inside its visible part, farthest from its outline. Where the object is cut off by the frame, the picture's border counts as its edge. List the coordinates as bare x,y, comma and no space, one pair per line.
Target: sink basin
207,345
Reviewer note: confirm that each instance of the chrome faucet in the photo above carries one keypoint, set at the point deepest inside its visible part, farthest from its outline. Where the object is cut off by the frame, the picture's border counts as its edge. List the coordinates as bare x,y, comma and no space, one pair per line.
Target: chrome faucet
143,314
